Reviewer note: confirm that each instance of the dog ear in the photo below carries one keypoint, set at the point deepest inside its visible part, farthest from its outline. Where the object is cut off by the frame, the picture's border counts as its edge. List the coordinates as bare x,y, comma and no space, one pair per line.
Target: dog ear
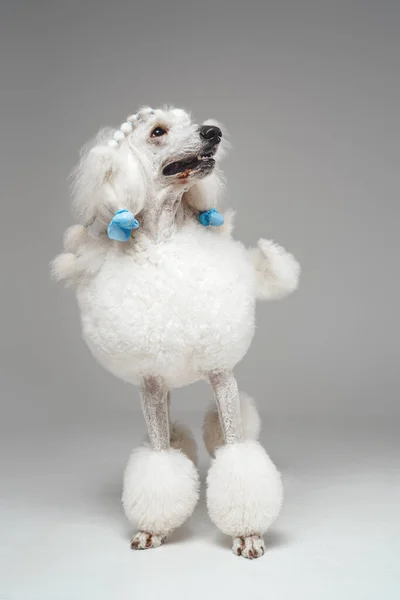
106,180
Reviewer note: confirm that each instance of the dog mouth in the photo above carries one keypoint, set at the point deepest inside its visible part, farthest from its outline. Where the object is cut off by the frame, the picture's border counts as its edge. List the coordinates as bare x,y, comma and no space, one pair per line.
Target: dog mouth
192,164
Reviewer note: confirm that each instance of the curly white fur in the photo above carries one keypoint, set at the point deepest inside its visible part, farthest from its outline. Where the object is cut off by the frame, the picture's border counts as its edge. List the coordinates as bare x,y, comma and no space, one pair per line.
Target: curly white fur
277,271
245,492
173,305
161,490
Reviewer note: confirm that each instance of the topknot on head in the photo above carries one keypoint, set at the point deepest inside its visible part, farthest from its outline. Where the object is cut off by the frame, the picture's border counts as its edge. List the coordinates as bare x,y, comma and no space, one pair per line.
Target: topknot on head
127,127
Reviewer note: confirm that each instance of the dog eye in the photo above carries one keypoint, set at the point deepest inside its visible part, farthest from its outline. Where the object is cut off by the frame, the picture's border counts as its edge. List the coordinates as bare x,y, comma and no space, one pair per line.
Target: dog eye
158,132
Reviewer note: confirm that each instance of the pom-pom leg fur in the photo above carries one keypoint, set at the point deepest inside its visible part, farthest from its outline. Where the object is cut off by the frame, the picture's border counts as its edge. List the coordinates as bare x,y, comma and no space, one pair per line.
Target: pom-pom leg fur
161,484
244,488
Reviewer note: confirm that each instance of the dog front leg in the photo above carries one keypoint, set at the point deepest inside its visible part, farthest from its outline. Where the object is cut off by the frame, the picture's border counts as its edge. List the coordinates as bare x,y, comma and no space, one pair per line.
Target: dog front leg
244,488
161,484
277,271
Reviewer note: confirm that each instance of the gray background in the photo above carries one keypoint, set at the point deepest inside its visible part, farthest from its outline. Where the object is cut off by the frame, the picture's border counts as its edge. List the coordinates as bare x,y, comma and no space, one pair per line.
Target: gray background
309,92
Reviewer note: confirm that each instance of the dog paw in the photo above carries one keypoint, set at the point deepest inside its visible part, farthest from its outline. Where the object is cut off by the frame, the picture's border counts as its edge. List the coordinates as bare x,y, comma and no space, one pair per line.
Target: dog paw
143,541
278,256
251,546
280,265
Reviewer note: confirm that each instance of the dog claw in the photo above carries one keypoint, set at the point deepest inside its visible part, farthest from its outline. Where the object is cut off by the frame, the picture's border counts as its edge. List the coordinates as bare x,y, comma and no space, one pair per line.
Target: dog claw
143,541
251,546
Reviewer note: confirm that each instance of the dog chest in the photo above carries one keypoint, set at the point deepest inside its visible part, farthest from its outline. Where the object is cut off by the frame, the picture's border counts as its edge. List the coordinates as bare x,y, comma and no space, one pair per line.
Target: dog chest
191,296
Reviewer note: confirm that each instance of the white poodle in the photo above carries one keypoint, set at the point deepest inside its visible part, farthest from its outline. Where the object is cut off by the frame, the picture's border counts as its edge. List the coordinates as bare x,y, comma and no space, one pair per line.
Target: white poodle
167,297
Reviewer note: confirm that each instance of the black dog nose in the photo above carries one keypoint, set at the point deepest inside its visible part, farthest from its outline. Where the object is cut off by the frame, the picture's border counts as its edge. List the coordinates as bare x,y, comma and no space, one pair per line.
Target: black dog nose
210,133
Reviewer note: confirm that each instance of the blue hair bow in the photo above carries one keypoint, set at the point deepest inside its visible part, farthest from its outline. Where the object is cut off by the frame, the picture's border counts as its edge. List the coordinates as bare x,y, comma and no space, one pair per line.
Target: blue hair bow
121,225
211,217
123,222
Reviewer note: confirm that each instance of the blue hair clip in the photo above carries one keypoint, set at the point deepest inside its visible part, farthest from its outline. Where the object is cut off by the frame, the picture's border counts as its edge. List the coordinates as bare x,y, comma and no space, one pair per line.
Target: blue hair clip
211,217
121,225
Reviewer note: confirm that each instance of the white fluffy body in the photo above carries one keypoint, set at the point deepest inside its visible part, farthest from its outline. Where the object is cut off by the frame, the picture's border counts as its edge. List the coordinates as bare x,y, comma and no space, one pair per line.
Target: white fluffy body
170,306
245,492
181,308
161,489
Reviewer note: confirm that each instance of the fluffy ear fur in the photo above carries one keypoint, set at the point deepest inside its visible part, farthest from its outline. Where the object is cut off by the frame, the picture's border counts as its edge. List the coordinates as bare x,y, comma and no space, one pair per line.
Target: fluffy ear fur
107,179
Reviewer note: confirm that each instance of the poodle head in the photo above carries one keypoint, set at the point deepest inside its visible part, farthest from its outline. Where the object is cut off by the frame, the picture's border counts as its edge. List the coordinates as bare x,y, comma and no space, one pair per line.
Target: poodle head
152,150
